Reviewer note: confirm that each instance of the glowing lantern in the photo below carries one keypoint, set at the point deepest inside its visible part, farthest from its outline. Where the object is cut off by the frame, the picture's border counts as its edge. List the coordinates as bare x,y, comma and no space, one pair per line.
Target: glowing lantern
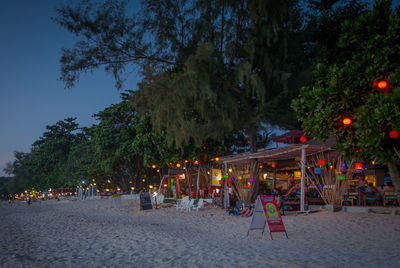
251,179
382,84
196,162
359,166
229,180
158,171
273,164
342,177
217,159
230,170
303,139
321,162
393,134
226,176
178,165
217,190
346,121
261,165
233,179
186,161
153,166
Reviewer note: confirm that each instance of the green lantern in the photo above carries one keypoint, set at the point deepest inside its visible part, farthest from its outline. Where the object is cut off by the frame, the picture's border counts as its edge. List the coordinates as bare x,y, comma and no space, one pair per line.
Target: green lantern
226,176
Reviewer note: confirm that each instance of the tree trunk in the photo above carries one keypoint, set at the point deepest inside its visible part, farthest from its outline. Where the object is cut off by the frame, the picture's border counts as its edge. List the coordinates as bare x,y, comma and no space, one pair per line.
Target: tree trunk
254,169
394,174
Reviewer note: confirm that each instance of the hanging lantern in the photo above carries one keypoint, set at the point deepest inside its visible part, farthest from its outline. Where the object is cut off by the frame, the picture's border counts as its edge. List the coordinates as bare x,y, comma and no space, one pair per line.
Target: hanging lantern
217,159
228,180
196,162
261,165
382,86
342,177
153,166
359,165
273,164
303,139
346,121
251,179
233,179
186,161
158,171
393,134
226,176
178,165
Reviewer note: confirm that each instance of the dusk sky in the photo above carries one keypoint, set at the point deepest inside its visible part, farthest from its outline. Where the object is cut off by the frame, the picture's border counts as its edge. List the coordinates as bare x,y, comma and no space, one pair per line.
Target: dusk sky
31,97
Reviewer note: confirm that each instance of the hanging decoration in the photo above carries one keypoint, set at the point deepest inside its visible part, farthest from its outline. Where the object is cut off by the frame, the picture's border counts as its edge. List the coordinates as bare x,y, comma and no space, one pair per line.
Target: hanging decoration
393,134
303,139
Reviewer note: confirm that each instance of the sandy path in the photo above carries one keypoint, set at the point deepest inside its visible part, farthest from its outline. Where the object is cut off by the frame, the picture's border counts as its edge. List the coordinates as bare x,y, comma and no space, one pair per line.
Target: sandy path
91,234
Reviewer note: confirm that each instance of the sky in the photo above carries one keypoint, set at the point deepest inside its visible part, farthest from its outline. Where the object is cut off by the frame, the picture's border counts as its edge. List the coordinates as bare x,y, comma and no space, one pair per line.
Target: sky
31,96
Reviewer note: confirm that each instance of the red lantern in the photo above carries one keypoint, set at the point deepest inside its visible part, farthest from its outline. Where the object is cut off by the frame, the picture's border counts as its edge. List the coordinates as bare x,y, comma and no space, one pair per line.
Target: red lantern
346,121
303,139
229,180
393,134
196,162
359,165
382,84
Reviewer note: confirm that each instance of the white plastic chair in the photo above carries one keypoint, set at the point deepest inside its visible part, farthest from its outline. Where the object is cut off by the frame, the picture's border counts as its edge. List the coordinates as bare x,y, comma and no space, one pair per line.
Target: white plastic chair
188,205
183,202
198,205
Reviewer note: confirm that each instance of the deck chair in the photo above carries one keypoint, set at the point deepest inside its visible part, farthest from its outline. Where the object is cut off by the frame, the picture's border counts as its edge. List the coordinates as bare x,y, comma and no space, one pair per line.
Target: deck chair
188,205
182,203
390,197
198,205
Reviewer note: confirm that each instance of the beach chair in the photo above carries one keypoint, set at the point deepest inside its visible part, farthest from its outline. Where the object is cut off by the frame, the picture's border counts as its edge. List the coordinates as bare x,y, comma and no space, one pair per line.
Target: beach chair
182,203
198,205
188,205
390,197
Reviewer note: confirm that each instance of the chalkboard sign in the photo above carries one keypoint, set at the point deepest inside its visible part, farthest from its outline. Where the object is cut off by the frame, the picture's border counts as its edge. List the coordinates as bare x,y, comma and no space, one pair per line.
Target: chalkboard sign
145,201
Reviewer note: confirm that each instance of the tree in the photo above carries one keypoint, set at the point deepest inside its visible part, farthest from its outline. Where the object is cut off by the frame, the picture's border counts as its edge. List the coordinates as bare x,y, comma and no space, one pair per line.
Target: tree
211,69
348,89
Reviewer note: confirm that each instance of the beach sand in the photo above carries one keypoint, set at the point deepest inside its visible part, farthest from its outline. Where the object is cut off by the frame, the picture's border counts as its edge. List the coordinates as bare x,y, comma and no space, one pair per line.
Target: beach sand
92,234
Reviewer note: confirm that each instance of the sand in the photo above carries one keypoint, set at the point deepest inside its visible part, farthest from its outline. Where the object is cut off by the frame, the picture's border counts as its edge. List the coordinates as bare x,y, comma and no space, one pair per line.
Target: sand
92,234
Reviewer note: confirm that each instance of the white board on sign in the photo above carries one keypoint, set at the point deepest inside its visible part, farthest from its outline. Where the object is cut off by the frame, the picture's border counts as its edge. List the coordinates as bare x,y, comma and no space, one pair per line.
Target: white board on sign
258,220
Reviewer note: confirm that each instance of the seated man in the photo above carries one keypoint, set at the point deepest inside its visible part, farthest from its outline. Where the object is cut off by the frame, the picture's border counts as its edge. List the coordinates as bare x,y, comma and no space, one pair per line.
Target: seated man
389,188
247,211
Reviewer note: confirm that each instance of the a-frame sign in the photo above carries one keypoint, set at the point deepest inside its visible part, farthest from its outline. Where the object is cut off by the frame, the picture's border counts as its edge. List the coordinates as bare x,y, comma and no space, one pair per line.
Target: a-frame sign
267,212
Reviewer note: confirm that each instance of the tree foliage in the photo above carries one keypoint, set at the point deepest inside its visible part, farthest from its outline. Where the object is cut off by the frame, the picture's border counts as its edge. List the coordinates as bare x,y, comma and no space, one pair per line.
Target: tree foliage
370,47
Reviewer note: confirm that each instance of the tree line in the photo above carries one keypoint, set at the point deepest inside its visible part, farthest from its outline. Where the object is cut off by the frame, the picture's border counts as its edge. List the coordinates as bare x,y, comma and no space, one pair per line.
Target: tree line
216,76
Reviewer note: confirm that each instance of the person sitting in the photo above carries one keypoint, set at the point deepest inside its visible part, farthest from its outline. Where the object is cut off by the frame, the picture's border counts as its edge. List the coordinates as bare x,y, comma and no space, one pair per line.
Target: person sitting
247,211
292,192
389,188
279,200
371,190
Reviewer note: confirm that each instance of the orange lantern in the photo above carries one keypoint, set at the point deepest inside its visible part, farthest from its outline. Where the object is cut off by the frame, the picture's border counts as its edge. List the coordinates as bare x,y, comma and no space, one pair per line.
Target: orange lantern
346,121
